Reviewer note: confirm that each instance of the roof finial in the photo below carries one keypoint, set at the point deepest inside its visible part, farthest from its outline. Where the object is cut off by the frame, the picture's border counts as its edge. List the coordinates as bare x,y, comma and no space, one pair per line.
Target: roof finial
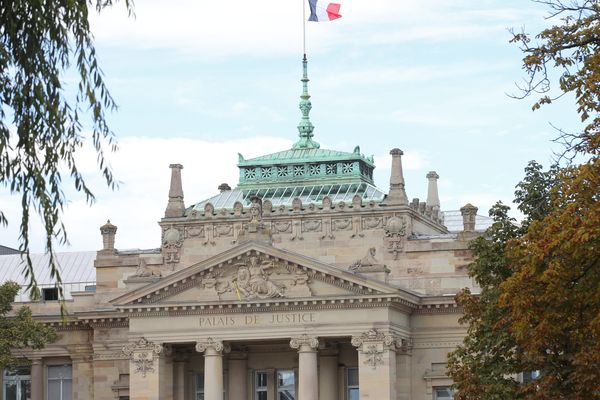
305,128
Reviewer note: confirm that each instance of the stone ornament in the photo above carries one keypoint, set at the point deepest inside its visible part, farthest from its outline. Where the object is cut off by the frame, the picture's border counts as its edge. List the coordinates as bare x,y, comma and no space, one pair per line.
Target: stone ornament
211,344
373,343
142,354
171,243
304,343
395,235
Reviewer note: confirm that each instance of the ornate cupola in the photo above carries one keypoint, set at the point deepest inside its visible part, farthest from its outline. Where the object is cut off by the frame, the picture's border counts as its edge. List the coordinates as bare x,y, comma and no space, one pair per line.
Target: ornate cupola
305,163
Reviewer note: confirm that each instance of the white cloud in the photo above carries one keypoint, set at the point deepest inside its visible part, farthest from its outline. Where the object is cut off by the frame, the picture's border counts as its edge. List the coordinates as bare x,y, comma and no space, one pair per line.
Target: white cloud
220,28
142,165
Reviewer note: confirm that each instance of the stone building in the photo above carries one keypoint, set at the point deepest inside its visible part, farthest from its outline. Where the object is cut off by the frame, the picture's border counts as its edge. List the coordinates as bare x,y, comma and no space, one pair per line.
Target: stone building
305,281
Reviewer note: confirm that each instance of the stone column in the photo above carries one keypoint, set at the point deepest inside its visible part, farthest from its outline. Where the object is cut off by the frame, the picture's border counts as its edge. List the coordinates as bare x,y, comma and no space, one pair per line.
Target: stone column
175,206
144,369
376,365
397,194
238,376
213,367
37,379
328,374
308,380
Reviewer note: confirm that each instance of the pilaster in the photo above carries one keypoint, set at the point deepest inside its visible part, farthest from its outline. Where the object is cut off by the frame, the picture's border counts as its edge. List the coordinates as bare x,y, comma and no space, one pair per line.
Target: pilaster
376,364
144,369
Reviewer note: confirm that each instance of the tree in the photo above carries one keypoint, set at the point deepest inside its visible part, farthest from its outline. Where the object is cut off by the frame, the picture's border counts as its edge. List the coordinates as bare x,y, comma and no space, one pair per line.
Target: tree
539,308
570,48
41,124
486,365
553,296
19,331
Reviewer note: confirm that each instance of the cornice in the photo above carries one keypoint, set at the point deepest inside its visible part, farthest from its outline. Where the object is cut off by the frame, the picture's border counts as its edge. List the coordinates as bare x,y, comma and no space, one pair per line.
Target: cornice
270,306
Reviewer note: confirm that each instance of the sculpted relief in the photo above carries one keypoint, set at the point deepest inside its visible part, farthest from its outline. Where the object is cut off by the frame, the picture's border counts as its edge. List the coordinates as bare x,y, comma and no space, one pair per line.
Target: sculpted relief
255,277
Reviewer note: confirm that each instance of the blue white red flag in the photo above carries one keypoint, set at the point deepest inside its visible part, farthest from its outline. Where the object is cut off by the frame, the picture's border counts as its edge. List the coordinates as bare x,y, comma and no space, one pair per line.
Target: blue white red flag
323,11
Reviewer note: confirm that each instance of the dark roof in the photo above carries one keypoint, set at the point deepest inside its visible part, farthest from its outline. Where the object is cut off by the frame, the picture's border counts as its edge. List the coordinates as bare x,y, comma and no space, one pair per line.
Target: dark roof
8,250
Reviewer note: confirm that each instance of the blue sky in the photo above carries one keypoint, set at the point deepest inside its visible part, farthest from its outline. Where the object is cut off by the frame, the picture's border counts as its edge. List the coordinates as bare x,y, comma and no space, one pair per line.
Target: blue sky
198,81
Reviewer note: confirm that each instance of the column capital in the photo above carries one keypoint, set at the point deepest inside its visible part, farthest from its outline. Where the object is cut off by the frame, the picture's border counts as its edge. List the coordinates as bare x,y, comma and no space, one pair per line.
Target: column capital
211,346
304,343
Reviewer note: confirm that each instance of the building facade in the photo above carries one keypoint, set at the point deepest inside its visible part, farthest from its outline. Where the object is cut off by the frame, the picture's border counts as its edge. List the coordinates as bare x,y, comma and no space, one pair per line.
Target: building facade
305,281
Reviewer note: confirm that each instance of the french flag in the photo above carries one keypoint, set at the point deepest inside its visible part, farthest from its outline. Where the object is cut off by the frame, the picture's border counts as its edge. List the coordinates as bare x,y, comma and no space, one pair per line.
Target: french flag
322,11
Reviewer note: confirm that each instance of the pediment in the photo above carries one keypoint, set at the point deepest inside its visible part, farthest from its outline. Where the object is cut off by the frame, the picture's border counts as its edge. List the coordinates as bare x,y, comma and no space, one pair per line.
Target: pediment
253,272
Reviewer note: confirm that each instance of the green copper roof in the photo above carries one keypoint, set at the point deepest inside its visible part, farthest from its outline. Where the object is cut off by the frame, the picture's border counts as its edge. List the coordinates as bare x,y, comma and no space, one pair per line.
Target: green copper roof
305,156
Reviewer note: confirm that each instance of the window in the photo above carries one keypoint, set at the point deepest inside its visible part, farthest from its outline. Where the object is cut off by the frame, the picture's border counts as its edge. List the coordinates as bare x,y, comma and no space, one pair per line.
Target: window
17,384
442,393
530,376
352,392
260,385
50,293
59,382
286,385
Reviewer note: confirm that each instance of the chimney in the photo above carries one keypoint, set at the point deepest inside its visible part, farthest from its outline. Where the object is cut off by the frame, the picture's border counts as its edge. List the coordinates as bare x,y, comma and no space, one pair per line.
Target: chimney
397,194
433,198
469,213
175,207
108,232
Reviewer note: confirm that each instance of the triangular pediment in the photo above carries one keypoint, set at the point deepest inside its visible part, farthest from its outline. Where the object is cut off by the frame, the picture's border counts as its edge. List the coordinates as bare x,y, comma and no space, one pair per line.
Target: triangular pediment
254,272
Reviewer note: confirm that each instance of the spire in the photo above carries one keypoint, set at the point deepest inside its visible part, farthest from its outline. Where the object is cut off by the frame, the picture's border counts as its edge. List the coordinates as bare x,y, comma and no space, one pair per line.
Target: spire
397,194
175,206
305,128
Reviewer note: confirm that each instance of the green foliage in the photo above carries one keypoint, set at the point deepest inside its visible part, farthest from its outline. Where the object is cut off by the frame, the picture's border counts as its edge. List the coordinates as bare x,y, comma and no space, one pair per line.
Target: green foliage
571,48
486,365
41,128
18,330
554,293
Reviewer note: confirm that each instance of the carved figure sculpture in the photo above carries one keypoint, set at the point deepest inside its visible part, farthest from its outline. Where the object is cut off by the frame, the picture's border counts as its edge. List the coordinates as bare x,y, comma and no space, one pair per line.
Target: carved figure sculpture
142,270
368,263
252,280
256,211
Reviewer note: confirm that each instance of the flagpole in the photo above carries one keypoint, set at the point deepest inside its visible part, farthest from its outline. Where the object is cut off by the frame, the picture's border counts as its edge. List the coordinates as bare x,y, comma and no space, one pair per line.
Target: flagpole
304,27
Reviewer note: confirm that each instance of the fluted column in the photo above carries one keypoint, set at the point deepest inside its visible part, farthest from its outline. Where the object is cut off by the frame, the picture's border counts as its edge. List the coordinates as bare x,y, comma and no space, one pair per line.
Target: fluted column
308,379
37,380
213,367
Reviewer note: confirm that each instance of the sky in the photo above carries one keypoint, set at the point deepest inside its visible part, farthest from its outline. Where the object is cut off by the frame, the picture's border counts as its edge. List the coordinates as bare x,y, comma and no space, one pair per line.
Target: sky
198,82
